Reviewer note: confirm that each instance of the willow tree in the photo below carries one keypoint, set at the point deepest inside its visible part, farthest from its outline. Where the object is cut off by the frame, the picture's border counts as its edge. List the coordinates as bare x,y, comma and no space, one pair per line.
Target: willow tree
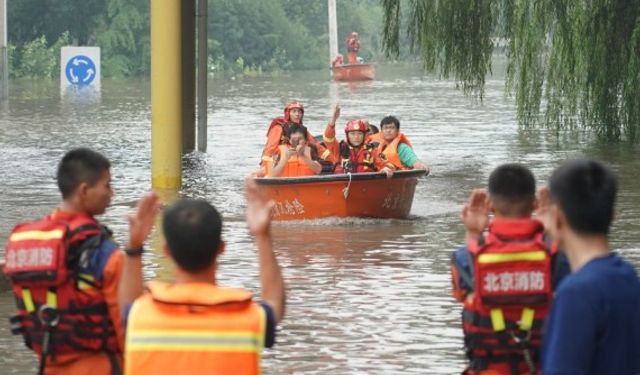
569,62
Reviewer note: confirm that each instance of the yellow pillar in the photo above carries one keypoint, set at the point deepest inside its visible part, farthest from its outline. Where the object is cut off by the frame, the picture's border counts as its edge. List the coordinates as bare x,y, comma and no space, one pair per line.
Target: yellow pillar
166,94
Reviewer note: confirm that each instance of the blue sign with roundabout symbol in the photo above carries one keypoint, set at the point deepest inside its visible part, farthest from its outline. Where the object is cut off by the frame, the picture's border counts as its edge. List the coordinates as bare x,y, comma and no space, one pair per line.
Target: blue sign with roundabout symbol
80,70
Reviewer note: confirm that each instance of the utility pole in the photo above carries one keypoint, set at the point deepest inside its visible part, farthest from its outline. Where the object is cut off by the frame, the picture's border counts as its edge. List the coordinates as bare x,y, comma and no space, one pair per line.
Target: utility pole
4,57
333,31
203,57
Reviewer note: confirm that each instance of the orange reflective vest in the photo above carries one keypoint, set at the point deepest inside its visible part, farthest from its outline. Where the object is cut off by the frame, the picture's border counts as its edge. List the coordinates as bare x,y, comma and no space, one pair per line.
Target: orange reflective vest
194,328
512,292
295,166
387,152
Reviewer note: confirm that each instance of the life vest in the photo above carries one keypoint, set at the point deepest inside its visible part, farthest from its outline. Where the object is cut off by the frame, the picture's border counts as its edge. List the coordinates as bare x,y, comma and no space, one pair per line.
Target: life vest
295,166
46,263
387,152
194,329
512,292
354,160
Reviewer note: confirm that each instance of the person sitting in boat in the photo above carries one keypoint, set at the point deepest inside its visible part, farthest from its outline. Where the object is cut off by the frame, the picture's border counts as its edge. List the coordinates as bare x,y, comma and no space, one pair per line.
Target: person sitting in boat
393,149
354,155
297,157
371,129
353,46
276,135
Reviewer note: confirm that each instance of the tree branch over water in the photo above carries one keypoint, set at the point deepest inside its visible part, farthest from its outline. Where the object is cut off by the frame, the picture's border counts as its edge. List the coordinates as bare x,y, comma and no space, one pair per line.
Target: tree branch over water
569,62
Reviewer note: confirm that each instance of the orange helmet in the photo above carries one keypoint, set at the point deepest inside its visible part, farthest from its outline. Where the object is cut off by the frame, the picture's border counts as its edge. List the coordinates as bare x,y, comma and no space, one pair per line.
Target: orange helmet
293,105
358,125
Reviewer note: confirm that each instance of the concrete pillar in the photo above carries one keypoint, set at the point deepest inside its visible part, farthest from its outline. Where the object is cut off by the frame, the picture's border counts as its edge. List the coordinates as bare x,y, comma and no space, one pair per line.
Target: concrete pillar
203,56
166,94
188,75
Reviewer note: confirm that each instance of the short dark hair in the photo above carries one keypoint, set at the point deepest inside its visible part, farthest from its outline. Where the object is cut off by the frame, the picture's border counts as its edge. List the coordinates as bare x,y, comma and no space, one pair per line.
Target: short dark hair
192,230
512,188
374,129
80,165
585,190
296,128
390,120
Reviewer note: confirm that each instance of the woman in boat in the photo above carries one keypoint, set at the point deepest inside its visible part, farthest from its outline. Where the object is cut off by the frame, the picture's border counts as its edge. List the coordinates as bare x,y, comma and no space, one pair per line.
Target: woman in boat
393,149
276,135
297,157
353,154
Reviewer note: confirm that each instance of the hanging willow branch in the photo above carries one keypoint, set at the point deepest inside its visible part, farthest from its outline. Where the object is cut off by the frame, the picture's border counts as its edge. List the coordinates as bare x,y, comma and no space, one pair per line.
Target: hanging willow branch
569,62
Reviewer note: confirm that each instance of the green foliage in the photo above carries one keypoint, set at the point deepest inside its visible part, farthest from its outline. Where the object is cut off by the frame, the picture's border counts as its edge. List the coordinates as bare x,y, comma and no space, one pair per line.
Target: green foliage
245,36
576,61
37,59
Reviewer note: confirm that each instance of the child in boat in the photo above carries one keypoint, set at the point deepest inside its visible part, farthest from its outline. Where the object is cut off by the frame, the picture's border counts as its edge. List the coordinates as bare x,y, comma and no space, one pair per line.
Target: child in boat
295,158
352,153
594,323
393,149
504,276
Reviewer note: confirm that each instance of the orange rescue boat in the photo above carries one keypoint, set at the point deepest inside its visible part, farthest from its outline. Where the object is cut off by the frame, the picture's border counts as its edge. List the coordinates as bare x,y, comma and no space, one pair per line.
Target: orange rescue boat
354,72
342,195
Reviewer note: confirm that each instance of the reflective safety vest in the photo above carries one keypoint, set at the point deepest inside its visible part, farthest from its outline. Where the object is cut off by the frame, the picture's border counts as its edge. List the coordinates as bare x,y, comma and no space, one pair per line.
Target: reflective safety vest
194,329
295,166
387,152
354,160
512,291
60,308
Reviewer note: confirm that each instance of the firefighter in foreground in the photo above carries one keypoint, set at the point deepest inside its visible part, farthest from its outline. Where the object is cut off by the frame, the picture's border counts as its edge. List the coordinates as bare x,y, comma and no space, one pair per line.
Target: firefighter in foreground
505,276
194,326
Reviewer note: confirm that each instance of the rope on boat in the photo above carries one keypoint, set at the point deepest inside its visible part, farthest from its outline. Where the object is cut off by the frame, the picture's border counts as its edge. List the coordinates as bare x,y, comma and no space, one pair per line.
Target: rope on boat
345,191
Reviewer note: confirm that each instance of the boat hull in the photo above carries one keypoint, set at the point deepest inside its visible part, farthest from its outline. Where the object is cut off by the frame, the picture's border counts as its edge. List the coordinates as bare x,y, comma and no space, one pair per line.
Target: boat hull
354,72
368,195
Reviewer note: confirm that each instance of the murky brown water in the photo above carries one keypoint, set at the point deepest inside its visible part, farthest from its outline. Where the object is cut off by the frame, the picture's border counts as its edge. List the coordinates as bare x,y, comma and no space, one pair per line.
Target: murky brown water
365,296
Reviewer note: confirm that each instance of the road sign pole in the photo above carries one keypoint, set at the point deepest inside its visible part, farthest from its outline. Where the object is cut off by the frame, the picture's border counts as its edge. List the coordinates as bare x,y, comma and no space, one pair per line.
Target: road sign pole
166,94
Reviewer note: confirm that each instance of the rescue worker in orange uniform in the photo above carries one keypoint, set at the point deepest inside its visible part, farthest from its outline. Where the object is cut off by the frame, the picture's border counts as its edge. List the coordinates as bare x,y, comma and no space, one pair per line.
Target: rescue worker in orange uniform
393,149
194,326
505,277
64,270
354,155
353,46
277,135
297,157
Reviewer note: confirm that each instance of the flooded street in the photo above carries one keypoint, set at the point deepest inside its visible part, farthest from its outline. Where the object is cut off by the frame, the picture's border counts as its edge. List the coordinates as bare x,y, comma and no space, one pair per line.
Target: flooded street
365,296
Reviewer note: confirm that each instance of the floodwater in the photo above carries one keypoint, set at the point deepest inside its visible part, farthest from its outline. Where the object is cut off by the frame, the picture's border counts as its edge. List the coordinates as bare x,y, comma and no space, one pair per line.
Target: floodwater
365,296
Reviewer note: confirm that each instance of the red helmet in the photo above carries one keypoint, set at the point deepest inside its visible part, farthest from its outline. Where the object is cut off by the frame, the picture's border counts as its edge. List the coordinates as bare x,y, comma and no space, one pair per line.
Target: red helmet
358,125
293,105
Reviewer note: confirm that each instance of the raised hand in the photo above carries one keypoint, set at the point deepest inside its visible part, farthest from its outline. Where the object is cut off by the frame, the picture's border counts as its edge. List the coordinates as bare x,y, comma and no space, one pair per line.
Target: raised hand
258,209
141,223
335,115
475,213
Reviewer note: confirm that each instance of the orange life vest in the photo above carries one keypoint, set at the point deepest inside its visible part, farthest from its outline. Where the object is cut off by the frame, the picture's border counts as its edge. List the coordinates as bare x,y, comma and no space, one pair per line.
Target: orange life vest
512,292
387,152
194,329
46,263
295,166
355,160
